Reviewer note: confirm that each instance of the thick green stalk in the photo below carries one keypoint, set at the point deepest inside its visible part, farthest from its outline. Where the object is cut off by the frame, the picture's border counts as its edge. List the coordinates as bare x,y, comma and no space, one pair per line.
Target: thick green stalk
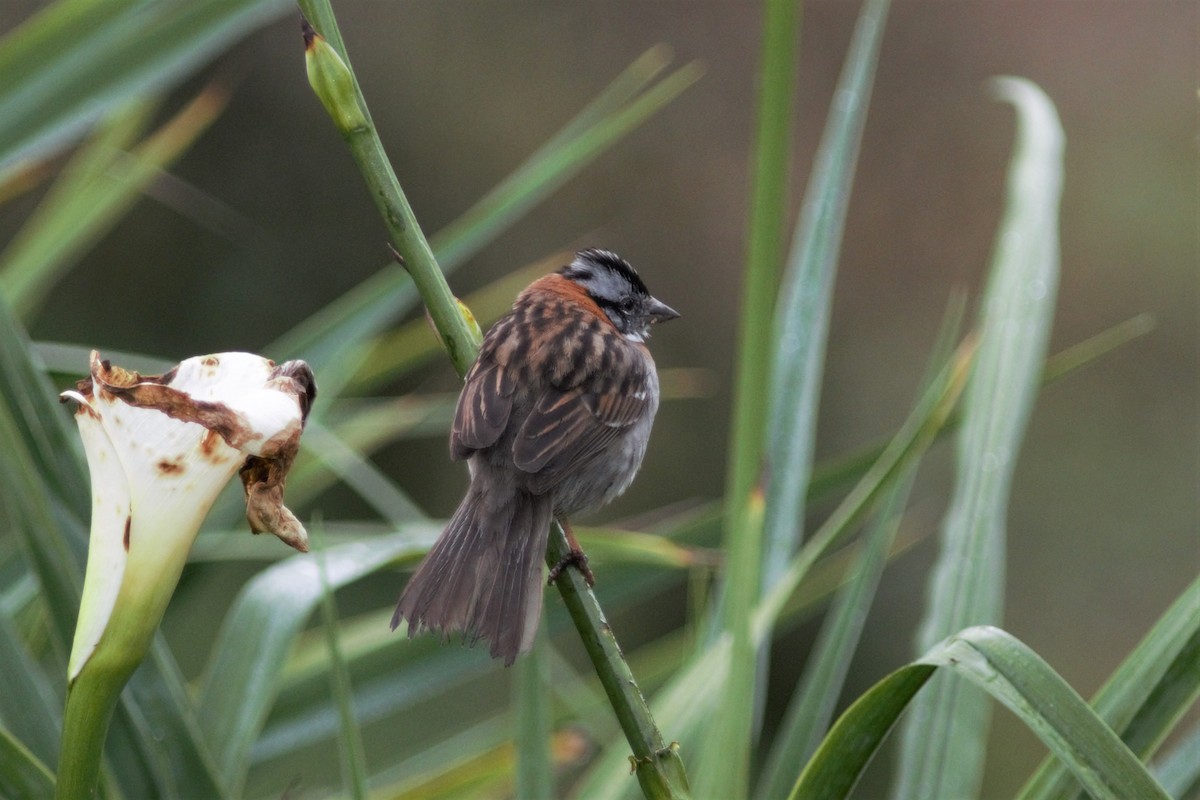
658,765
335,85
91,701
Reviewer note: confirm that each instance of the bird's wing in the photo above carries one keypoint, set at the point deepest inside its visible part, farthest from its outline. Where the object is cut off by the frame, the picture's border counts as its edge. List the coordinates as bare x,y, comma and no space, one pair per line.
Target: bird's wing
483,409
569,426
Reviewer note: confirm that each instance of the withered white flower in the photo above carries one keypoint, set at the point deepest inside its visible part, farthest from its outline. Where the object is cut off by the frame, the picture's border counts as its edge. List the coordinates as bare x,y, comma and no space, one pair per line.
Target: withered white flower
160,449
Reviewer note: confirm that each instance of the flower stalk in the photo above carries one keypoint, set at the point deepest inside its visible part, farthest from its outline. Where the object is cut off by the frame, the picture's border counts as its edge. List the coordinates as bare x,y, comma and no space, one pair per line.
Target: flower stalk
159,450
658,765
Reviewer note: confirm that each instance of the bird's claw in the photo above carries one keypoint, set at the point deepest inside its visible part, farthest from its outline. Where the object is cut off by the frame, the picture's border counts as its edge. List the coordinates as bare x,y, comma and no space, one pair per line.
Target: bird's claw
578,559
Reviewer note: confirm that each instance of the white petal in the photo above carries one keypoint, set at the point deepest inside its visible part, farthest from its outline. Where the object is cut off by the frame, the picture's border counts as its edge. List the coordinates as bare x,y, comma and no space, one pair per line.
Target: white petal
106,546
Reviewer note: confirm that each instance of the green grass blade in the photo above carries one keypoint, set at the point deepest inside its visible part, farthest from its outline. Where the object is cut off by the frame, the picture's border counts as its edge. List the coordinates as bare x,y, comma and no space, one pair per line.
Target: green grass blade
29,707
531,707
69,360
67,66
97,188
362,427
46,491
1010,672
801,331
350,746
830,476
342,325
724,765
811,710
156,707
943,741
242,677
802,319
390,501
1154,685
392,675
816,697
910,442
597,128
1179,770
22,774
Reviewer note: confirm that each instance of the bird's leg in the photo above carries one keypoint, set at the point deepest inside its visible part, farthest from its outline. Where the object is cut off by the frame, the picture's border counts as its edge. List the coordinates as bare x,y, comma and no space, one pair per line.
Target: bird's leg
576,557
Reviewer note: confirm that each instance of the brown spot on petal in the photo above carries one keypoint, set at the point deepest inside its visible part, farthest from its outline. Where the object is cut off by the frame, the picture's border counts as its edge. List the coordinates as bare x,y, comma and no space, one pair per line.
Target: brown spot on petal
217,417
169,466
125,538
210,361
208,445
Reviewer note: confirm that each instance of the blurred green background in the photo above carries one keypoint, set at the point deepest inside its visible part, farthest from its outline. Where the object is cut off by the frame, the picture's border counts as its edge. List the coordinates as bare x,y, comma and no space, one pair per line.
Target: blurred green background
266,220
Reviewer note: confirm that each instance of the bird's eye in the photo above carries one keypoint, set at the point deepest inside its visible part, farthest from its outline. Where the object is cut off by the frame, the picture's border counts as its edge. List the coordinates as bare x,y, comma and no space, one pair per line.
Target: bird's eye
626,305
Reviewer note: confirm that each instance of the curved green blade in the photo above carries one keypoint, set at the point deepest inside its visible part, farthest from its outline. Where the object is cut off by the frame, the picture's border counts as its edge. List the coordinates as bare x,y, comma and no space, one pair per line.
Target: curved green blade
942,755
243,674
1013,674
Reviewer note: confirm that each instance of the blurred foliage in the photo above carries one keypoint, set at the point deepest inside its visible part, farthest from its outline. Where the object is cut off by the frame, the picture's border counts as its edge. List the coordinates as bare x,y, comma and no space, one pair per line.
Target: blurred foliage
414,718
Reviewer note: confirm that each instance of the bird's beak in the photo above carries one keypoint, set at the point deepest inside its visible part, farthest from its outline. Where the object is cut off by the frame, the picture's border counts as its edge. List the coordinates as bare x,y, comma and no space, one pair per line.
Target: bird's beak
660,311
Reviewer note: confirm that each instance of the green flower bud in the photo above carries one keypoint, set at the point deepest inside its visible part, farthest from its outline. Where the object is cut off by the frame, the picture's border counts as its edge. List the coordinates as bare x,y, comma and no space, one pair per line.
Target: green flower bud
331,80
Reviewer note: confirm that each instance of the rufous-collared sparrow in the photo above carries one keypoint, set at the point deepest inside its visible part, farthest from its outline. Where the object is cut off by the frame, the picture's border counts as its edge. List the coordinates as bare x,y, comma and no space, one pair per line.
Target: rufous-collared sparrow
553,421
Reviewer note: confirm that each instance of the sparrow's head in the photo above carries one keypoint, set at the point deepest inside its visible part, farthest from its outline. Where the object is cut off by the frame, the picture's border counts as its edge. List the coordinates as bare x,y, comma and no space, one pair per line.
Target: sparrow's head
619,291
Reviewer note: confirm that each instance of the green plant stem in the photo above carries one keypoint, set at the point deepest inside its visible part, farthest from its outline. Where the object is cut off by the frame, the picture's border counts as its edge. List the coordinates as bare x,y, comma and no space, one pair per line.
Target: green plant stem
658,766
405,234
91,700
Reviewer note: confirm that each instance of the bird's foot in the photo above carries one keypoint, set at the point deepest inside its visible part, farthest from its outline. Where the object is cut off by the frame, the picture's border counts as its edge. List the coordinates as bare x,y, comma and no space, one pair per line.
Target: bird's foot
575,558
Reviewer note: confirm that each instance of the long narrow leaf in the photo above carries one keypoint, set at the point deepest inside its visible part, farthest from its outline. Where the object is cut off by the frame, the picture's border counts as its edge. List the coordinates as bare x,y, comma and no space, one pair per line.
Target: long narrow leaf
801,330
531,707
390,679
350,746
812,706
97,188
70,64
724,763
816,698
1179,770
943,743
1154,685
242,678
21,773
1010,672
29,708
802,317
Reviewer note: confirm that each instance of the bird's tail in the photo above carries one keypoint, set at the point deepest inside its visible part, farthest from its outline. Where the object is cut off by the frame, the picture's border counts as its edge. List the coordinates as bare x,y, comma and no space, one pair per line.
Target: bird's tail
484,574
